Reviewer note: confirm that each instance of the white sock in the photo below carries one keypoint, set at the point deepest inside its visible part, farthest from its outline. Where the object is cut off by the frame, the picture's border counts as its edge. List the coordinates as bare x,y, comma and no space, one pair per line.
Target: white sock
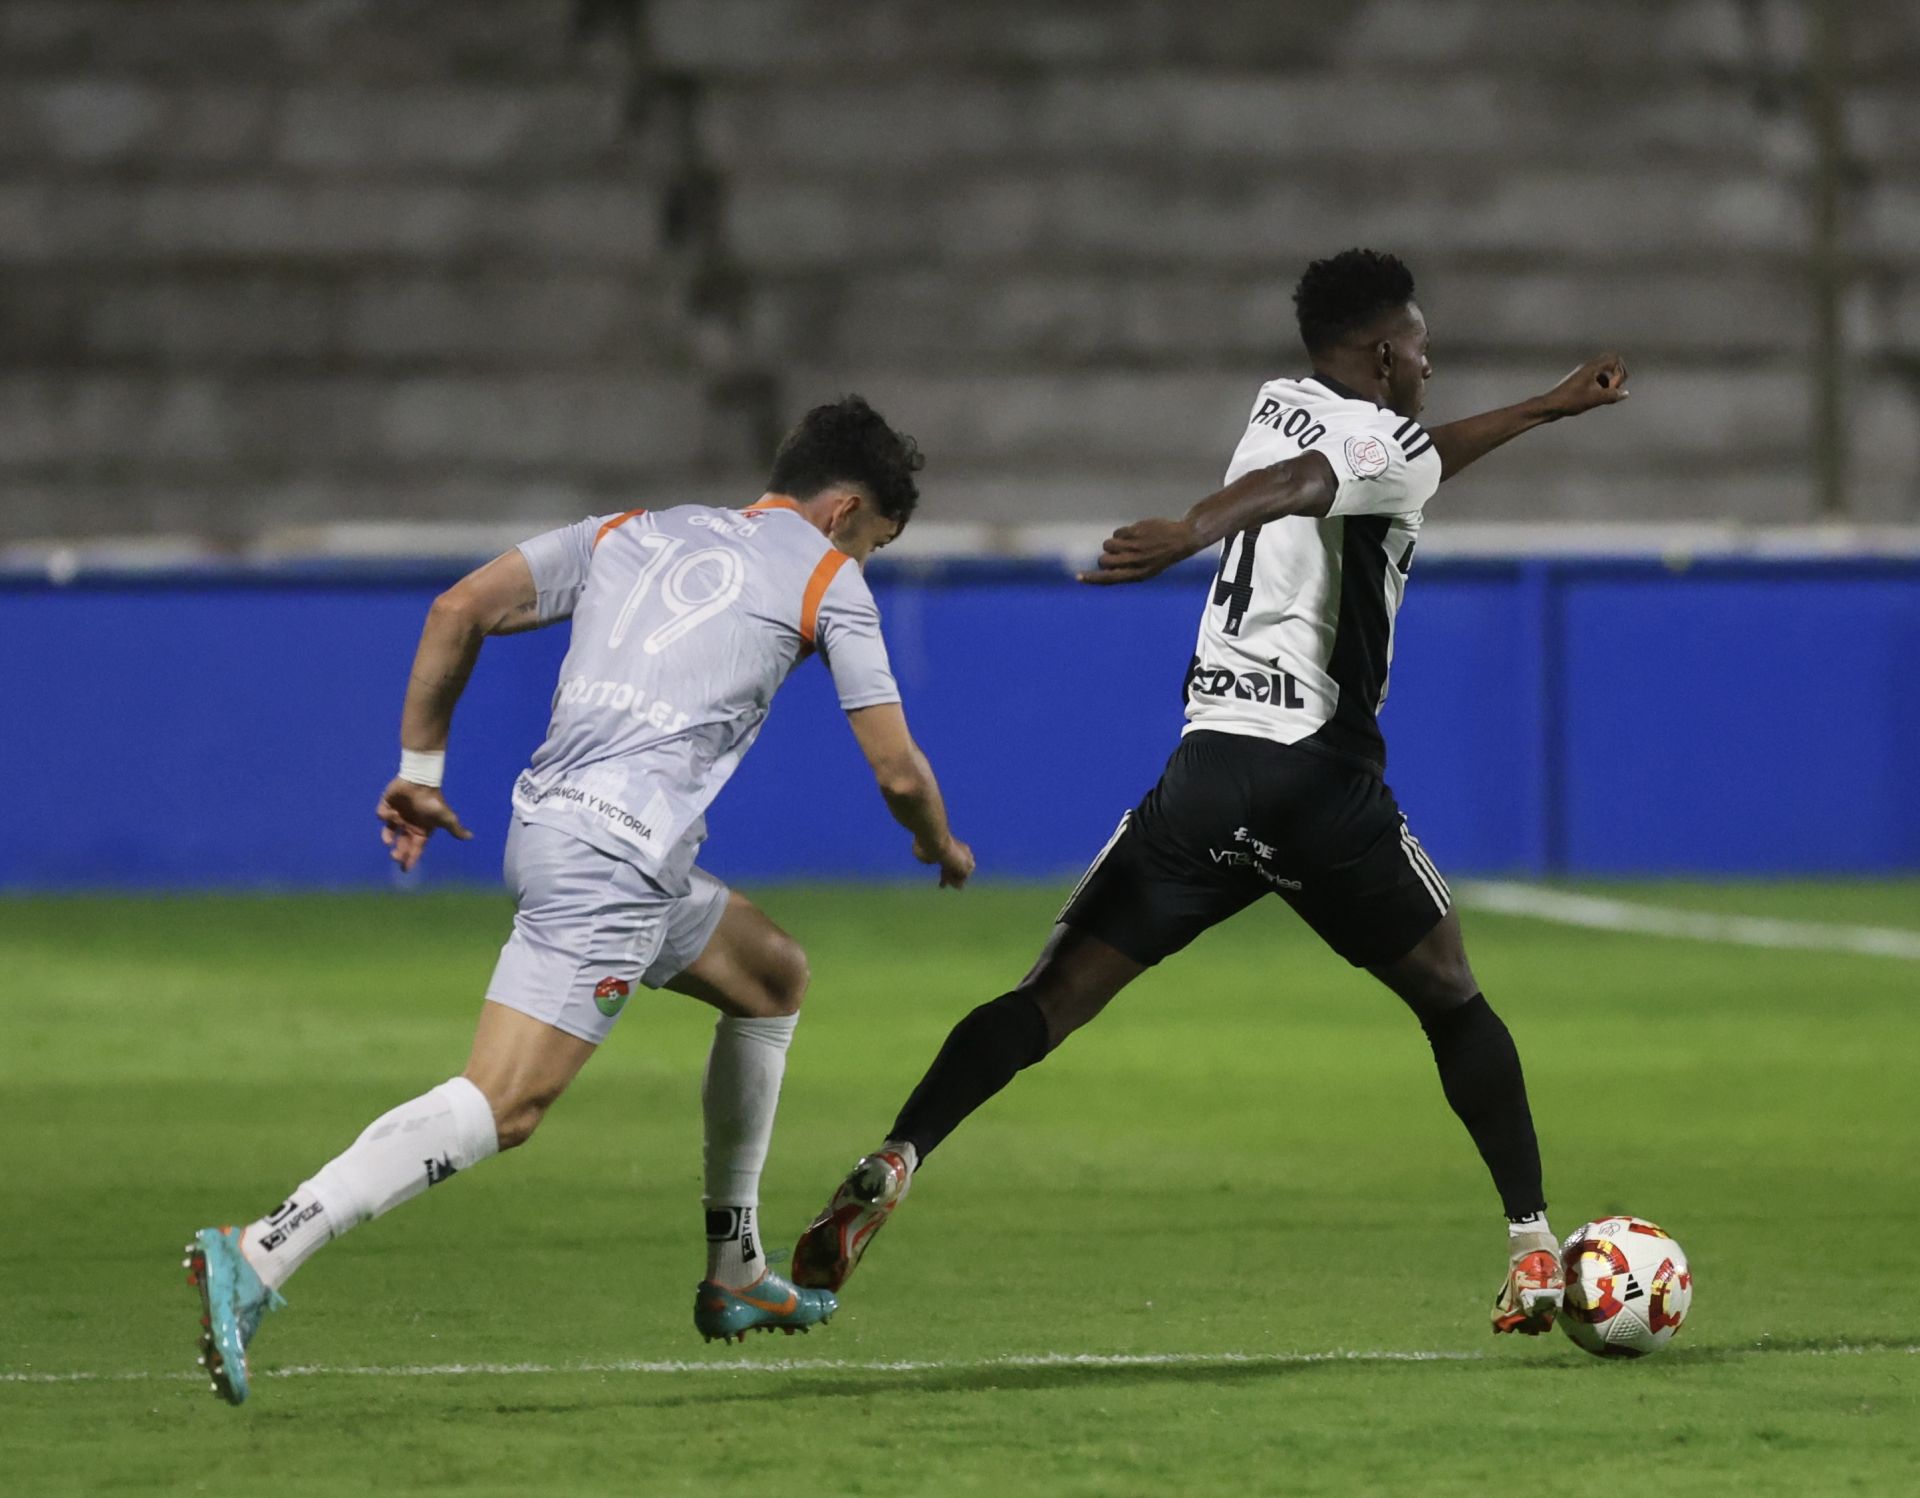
1530,1226
738,1098
905,1150
735,1257
400,1154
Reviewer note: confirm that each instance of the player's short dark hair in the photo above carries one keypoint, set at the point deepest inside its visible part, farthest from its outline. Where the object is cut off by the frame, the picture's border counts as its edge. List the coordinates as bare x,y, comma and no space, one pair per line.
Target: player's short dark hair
848,442
1342,294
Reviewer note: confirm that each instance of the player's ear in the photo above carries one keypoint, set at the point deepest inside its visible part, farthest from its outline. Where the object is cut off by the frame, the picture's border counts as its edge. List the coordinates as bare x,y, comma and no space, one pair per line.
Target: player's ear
1383,358
844,509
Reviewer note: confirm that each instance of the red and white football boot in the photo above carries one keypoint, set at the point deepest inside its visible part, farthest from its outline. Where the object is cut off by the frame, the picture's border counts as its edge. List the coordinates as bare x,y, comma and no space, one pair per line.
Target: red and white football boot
830,1249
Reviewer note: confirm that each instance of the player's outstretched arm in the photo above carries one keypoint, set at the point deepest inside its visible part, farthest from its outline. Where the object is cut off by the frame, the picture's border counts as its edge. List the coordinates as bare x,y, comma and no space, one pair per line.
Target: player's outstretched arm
1300,486
1601,381
497,599
912,794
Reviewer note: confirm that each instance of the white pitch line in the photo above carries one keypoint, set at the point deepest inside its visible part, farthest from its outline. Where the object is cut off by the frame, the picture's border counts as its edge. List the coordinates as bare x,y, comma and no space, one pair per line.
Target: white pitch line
1600,914
788,1365
1013,1363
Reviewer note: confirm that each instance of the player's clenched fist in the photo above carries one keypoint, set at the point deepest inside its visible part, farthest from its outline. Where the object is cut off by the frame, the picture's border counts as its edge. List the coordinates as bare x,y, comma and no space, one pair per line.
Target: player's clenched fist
409,814
1601,381
954,858
1143,549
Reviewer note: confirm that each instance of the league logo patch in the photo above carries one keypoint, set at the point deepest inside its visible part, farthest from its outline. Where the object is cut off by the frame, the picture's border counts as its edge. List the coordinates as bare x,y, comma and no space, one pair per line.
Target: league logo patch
610,995
1367,457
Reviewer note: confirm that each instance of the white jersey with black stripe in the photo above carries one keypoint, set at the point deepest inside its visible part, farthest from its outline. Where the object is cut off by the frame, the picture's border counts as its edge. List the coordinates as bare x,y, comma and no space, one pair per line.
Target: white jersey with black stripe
1297,635
685,623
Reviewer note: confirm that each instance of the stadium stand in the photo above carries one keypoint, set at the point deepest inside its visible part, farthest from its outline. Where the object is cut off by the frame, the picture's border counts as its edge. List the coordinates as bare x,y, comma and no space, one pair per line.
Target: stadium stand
513,260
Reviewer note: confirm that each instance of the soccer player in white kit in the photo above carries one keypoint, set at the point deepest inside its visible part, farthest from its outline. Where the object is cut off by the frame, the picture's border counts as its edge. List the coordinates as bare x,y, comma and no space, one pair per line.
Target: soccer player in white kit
685,621
1278,784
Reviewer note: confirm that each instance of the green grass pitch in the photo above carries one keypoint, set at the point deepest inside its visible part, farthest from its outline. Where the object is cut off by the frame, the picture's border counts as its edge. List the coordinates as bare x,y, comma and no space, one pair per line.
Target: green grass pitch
1248,1155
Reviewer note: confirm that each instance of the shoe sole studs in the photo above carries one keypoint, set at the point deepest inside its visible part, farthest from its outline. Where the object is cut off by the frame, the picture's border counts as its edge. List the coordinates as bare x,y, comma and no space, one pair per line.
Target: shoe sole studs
210,1359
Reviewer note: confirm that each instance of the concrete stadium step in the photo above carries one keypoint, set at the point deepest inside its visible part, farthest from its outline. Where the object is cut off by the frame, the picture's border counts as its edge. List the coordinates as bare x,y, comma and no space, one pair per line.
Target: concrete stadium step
209,321
369,129
1083,217
304,508
1886,225
1546,497
605,220
1293,121
237,39
998,319
86,423
1109,420
1010,511
1883,128
1759,494
782,37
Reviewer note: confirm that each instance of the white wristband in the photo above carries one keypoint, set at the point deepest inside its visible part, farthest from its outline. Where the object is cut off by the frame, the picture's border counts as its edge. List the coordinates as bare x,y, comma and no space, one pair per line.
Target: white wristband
423,768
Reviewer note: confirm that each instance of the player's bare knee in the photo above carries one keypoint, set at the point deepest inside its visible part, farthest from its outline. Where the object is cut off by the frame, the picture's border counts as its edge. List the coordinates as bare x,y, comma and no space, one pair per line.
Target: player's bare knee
1451,979
515,1124
786,977
1065,1007
517,1111
1441,982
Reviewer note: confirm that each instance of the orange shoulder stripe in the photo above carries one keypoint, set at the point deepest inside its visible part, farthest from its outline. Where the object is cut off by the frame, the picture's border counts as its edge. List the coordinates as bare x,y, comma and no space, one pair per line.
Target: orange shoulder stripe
614,525
817,585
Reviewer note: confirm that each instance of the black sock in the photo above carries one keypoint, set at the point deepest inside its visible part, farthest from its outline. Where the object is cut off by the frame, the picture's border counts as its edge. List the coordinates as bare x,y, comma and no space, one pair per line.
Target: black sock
1480,1073
980,1057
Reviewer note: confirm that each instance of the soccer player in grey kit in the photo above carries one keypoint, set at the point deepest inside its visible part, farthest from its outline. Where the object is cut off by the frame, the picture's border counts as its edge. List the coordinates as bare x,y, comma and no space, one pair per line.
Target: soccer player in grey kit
685,622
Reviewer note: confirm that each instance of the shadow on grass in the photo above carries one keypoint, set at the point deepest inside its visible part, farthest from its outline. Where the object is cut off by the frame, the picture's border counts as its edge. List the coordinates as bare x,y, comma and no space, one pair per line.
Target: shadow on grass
1838,1347
697,1387
832,1384
916,1383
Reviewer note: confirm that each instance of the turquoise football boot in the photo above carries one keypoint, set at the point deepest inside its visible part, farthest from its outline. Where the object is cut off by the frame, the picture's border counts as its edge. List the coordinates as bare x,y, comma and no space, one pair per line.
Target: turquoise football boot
232,1301
769,1303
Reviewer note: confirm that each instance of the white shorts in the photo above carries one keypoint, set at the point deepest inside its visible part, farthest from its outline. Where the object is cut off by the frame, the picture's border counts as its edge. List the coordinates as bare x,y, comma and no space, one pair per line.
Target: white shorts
588,927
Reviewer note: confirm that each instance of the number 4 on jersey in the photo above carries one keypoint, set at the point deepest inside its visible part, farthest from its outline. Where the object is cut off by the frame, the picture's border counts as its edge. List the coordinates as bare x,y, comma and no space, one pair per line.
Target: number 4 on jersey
1236,595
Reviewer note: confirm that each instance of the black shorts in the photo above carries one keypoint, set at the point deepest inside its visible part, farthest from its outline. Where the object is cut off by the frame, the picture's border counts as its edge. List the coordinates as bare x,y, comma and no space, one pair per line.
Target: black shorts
1234,818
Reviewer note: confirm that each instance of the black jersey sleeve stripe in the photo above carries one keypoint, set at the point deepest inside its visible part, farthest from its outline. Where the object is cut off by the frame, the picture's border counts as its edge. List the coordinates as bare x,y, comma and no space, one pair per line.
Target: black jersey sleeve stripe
1419,447
1400,432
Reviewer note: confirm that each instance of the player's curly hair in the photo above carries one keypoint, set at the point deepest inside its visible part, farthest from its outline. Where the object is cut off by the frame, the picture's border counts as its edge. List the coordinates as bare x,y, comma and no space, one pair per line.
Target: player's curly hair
848,442
1340,295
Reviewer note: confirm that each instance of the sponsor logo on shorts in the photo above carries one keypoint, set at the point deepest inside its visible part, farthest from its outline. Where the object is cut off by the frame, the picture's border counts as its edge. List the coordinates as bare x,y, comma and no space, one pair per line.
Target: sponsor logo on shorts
610,995
1261,851
1251,854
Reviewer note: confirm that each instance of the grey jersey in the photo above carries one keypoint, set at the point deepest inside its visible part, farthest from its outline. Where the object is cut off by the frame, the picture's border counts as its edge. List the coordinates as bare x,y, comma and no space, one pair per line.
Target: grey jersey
685,622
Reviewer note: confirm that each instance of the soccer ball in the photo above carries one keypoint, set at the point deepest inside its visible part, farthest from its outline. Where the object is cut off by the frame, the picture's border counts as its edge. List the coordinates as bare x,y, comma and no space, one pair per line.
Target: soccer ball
1628,1287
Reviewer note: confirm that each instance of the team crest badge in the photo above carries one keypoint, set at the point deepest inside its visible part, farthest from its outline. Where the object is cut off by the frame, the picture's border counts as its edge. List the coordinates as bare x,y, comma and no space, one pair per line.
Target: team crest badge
611,995
1367,457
